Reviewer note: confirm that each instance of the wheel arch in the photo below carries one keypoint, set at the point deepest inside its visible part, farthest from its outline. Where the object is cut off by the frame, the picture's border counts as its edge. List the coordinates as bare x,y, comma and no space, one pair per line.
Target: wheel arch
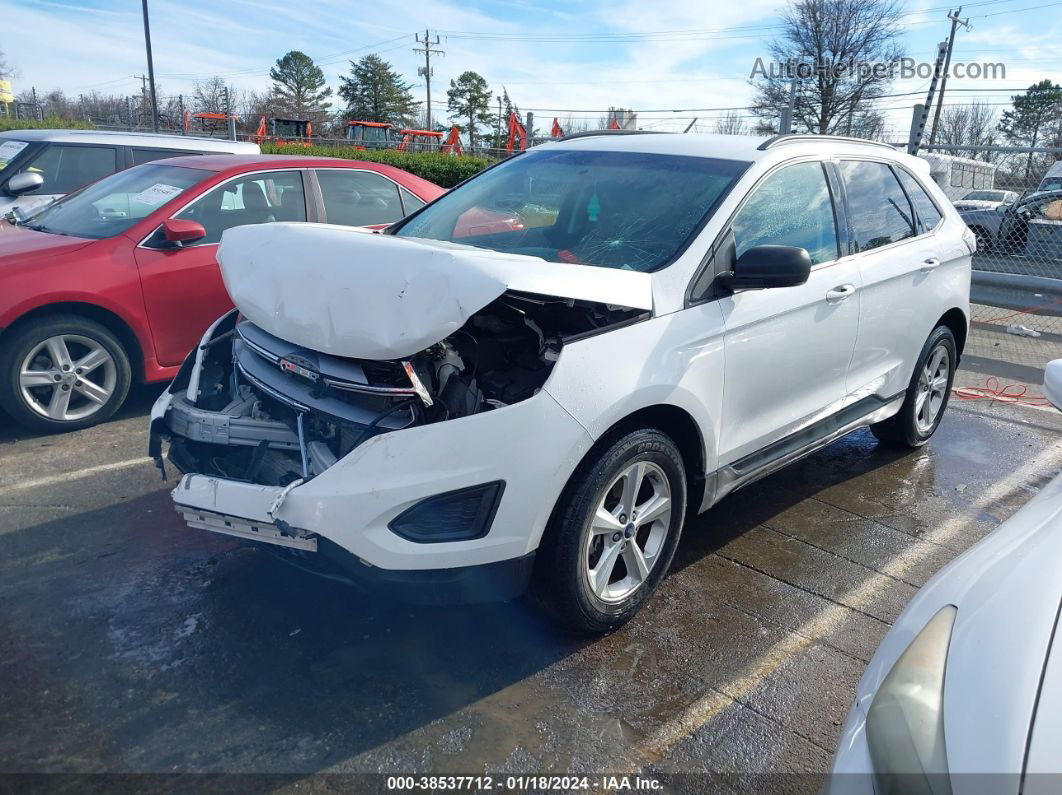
112,321
670,419
955,319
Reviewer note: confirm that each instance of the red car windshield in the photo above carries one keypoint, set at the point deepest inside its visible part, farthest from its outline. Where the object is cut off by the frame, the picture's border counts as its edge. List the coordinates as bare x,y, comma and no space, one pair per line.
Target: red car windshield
627,210
112,205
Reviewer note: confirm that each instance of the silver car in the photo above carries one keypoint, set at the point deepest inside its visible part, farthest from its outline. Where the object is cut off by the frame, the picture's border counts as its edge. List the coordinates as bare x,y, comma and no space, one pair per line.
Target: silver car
39,166
1006,229
985,199
964,695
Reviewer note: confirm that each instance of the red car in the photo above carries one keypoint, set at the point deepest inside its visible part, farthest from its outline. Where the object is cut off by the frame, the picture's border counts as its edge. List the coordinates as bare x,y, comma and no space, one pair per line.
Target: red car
119,280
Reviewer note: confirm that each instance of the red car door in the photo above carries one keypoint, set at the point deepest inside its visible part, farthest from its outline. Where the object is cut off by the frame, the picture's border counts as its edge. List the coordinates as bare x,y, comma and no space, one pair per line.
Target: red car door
183,289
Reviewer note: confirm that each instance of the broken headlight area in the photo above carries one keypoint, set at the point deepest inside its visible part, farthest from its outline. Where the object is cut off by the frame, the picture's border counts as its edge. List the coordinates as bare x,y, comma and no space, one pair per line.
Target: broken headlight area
270,412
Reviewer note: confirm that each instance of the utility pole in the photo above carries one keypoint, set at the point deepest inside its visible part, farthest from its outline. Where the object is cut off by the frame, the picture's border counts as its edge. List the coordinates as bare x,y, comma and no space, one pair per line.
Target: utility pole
954,17
151,69
425,71
921,112
497,135
229,118
143,97
786,126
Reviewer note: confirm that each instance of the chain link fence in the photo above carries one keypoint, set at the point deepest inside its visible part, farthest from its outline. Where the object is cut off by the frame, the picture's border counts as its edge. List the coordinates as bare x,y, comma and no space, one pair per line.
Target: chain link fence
1011,198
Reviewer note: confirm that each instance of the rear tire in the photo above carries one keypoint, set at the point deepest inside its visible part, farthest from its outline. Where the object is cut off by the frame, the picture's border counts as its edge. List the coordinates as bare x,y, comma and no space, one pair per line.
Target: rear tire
927,394
62,373
599,561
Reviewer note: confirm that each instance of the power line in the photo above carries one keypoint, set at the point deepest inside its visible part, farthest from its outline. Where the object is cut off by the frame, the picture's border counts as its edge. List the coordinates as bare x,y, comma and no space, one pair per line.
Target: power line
254,71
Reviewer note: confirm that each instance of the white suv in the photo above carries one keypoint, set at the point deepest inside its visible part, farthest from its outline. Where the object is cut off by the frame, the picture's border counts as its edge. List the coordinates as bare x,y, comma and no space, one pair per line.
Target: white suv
539,376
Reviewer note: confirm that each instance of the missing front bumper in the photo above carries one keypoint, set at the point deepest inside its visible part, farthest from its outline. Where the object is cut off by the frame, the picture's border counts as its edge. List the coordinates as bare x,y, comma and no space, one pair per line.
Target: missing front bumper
245,528
244,510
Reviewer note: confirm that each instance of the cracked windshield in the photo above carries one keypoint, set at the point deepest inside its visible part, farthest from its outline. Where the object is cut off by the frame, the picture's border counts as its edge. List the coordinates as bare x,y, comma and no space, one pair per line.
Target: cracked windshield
586,207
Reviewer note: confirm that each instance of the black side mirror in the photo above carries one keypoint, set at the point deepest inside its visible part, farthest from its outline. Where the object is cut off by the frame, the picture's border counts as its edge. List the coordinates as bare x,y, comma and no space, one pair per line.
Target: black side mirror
763,267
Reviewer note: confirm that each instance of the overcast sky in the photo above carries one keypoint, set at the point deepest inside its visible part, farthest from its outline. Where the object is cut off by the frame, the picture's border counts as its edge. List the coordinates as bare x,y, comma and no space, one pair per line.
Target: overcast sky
556,58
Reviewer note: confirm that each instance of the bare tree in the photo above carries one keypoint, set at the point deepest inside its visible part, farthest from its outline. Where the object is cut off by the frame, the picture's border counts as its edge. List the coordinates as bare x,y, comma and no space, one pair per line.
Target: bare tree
975,124
209,95
253,105
570,125
867,123
731,124
841,52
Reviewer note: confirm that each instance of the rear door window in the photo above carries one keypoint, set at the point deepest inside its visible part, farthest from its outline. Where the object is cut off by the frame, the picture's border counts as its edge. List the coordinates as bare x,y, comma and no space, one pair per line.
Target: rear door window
878,209
144,155
928,214
67,167
359,198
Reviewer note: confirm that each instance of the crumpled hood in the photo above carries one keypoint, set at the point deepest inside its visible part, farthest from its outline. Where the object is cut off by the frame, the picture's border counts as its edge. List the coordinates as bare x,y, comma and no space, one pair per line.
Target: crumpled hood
348,292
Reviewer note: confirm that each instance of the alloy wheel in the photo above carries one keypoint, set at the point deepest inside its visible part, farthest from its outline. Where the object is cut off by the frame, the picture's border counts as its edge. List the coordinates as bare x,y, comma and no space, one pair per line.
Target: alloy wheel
628,531
67,377
932,388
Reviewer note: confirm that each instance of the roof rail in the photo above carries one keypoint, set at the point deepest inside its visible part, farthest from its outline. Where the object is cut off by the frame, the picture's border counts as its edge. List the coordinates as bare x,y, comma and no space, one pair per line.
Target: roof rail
778,140
592,133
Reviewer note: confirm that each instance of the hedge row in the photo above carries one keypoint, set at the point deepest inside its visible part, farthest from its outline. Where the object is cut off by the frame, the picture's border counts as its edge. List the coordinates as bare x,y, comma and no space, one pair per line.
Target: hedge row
50,123
443,170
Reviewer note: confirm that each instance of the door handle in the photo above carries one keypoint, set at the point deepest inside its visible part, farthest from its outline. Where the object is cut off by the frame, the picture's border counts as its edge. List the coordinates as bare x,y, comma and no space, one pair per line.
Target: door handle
929,264
840,293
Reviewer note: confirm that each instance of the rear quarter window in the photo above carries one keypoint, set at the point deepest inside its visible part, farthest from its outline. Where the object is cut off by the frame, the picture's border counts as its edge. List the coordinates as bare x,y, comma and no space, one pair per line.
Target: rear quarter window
879,211
928,214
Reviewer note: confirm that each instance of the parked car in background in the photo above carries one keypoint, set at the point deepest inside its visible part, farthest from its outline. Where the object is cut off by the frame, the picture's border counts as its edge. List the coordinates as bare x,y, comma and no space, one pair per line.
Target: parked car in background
1006,229
120,279
1052,179
964,694
985,199
39,166
524,381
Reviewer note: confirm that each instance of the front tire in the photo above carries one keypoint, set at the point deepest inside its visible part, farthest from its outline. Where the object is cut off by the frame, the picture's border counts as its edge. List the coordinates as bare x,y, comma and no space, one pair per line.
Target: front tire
62,372
984,240
613,534
927,394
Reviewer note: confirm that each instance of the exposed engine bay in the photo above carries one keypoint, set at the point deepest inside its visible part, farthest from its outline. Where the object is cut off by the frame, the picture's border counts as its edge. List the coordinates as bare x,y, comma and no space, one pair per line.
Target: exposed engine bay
270,412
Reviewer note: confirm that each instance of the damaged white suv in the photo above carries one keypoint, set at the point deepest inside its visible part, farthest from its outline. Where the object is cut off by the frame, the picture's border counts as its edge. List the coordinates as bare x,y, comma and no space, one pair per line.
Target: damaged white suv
539,376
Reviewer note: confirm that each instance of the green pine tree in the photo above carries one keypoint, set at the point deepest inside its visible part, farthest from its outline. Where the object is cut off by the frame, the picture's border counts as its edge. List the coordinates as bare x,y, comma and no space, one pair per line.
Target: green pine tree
375,92
1032,114
468,100
299,85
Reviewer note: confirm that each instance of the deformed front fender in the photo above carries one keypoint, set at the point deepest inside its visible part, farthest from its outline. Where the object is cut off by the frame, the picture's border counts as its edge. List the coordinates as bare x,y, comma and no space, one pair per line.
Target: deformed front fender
533,446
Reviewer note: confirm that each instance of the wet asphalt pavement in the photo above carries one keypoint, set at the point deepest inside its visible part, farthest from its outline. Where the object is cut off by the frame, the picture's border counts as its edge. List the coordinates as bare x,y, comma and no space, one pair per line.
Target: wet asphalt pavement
130,643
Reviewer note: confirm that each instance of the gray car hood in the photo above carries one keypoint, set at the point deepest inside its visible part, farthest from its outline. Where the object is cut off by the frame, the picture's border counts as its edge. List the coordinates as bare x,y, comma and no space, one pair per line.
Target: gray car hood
349,292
